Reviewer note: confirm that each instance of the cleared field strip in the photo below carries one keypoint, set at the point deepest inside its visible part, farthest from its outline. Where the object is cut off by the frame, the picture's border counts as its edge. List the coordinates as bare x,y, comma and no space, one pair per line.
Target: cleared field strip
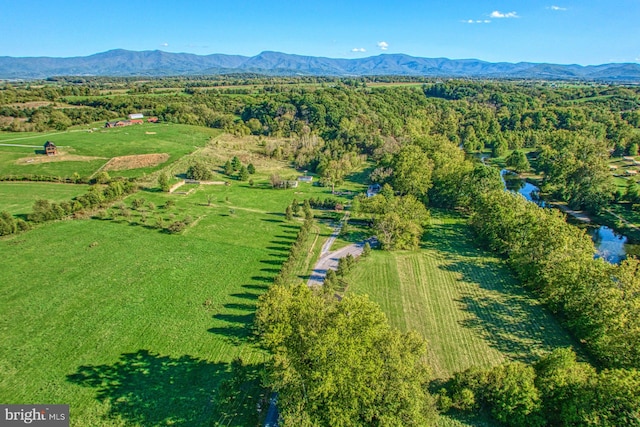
464,301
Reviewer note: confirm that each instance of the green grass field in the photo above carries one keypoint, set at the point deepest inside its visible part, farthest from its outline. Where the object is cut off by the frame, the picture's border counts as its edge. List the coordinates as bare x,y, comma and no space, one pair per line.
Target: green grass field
17,198
89,151
461,299
133,326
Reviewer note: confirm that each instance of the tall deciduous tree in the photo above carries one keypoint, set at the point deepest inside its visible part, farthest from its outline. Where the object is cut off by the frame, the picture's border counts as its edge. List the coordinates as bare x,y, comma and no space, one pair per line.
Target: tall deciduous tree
518,161
340,364
412,171
576,167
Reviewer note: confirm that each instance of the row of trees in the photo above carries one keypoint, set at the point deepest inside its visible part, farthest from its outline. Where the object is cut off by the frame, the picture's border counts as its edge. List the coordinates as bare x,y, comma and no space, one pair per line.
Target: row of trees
287,270
556,390
599,301
48,117
96,196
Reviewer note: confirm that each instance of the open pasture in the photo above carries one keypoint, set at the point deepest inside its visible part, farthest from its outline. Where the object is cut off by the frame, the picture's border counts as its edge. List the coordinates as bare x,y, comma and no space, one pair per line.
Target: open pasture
17,198
461,299
133,326
88,150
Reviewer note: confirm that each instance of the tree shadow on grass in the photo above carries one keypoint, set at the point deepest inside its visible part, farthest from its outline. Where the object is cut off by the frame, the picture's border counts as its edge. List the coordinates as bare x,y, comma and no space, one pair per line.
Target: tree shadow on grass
148,389
290,227
246,295
501,311
272,220
259,287
239,319
513,325
289,236
454,239
240,306
277,262
234,322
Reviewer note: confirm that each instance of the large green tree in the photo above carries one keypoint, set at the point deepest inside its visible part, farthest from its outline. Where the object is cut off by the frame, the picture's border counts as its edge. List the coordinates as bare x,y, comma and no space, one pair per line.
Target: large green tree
576,168
340,364
412,171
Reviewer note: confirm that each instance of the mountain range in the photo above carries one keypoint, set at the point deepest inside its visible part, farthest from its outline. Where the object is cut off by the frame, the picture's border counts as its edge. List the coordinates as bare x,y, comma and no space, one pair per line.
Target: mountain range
121,62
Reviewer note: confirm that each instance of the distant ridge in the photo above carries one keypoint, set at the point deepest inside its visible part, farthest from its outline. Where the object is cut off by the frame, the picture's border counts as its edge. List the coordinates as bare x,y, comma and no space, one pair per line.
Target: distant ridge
120,62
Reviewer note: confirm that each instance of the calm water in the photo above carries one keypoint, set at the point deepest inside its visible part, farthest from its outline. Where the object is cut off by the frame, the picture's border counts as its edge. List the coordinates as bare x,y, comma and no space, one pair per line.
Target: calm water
610,246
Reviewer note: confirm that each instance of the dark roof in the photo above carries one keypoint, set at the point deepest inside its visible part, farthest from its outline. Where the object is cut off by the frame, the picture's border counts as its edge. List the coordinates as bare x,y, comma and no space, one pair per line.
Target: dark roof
49,144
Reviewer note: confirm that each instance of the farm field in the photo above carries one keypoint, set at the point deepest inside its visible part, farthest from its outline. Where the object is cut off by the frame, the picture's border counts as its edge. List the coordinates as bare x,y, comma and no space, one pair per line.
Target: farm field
17,198
85,152
133,326
461,299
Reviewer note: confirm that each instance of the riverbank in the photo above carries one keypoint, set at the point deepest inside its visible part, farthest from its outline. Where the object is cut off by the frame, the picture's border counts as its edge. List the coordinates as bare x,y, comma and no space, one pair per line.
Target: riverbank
613,236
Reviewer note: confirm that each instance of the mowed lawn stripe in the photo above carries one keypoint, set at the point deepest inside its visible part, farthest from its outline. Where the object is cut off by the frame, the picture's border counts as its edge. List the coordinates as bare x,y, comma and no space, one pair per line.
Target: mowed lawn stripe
463,300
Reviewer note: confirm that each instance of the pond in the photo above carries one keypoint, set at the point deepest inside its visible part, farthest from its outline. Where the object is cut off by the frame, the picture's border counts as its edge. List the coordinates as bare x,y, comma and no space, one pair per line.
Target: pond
610,245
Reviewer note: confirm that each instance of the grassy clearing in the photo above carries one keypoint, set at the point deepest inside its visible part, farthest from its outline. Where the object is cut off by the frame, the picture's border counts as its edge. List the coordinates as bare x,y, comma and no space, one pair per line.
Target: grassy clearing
17,198
95,148
462,299
133,326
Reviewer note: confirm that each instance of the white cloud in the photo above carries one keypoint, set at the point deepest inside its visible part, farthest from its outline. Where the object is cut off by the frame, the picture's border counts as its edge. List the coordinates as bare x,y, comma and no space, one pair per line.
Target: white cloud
477,21
165,44
358,49
498,14
557,8
383,45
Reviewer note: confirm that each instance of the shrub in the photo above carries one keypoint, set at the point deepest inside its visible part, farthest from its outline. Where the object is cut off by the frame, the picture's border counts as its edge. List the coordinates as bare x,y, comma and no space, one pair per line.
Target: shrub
176,227
199,171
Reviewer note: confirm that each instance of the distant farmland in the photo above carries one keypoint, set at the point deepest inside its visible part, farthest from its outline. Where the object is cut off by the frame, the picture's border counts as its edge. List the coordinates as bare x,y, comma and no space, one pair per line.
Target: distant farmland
84,152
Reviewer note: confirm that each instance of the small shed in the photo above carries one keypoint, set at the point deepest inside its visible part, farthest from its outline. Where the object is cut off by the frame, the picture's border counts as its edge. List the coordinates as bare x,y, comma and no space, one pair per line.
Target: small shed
305,178
136,116
50,148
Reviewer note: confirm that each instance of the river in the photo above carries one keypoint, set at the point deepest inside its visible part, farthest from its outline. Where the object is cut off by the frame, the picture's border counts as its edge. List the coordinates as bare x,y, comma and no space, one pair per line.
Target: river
610,245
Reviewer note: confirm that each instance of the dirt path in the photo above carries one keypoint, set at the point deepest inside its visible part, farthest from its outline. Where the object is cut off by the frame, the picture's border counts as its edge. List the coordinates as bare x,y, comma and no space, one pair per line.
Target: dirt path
624,221
580,215
20,145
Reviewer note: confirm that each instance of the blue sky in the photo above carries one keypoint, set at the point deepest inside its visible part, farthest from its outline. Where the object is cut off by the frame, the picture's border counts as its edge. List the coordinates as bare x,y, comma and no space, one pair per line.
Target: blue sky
558,31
